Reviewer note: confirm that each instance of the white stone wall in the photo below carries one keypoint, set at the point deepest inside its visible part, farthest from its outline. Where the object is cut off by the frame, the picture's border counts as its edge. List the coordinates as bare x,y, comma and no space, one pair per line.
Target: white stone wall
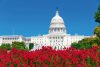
11,38
55,41
76,38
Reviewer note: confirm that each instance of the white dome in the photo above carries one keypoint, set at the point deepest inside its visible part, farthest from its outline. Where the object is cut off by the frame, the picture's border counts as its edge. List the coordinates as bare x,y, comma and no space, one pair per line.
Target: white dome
57,24
57,21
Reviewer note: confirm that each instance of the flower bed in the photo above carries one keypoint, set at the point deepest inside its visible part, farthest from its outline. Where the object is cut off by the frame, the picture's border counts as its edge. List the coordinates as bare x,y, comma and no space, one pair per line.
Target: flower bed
47,57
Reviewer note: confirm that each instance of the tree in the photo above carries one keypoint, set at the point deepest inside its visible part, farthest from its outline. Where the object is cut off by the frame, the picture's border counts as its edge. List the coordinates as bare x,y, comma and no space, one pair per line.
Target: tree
96,41
6,46
76,45
31,45
97,31
97,15
86,43
19,45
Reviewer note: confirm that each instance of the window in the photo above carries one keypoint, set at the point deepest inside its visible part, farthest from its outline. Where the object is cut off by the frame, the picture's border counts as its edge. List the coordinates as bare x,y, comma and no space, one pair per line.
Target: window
56,37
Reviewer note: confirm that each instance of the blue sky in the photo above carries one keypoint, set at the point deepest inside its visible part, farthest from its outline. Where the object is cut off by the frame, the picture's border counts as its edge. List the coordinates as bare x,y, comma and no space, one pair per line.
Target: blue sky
32,17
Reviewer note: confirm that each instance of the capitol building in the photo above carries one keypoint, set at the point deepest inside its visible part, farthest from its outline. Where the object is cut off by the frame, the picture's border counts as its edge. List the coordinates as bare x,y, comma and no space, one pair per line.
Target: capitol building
57,36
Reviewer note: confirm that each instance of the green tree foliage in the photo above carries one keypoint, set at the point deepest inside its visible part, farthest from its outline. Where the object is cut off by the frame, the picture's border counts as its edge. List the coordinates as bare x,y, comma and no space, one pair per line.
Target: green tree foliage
6,46
87,43
19,45
97,15
97,31
81,45
76,45
96,41
31,45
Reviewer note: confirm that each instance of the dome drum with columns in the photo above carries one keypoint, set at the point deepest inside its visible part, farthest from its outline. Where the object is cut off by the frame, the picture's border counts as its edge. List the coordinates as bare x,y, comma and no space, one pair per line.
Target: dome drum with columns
57,25
57,37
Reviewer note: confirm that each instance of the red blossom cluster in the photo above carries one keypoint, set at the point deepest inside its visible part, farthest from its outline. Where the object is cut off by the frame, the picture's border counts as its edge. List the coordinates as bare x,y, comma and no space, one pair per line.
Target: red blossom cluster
48,57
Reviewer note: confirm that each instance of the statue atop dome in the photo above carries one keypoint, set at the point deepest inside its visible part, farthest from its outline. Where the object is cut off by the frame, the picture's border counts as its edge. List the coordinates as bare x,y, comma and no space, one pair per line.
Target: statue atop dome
57,11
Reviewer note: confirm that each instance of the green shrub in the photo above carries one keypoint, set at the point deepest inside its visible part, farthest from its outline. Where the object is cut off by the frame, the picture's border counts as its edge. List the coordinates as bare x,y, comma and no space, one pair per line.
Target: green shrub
31,45
76,45
19,45
6,46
